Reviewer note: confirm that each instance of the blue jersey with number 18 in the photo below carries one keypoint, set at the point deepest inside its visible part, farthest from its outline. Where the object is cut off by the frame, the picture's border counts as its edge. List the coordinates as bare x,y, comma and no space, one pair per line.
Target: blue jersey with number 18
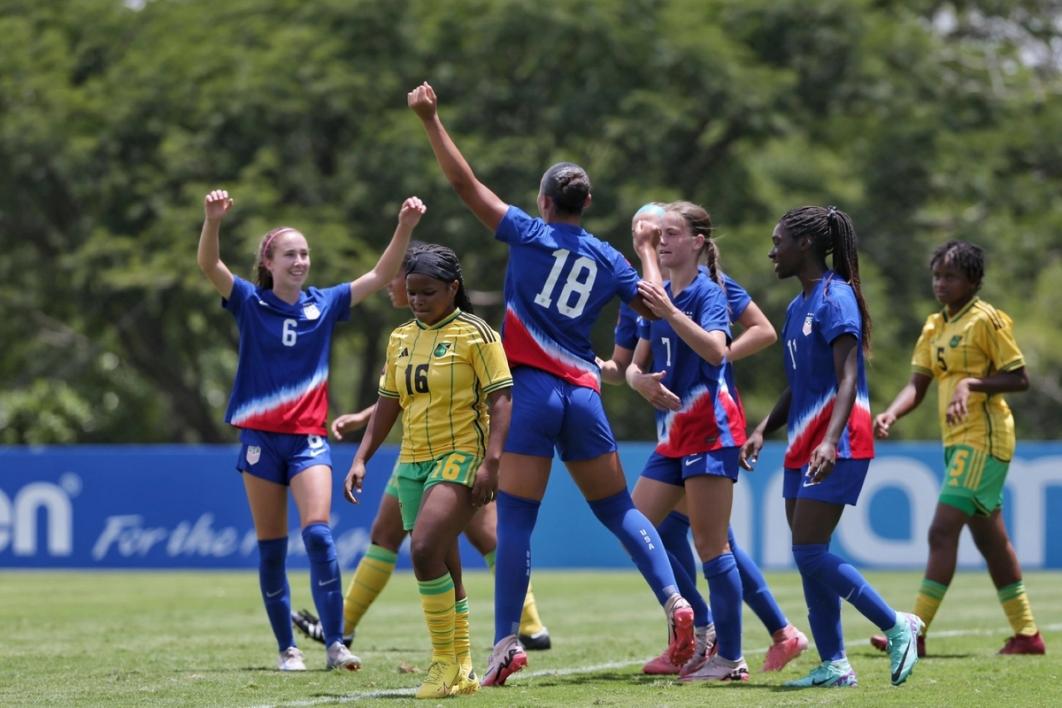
558,278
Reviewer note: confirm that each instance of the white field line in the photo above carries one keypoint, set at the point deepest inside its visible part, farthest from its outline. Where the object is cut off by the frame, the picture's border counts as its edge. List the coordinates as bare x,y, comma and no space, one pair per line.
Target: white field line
403,692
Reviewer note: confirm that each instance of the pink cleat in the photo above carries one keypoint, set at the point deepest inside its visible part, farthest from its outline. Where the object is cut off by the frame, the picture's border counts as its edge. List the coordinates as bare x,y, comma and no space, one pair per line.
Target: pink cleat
660,665
680,640
507,658
789,643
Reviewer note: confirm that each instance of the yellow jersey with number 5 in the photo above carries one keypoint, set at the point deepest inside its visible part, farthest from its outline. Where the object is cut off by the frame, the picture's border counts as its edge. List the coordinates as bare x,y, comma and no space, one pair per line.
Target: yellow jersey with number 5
977,341
441,376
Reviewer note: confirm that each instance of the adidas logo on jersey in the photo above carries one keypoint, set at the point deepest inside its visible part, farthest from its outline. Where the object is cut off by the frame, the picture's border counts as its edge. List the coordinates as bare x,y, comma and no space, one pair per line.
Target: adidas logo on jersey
404,352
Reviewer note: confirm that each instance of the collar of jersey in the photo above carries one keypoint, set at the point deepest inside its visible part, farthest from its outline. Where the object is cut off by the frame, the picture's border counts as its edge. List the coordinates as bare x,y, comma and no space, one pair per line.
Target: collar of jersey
270,298
966,308
441,323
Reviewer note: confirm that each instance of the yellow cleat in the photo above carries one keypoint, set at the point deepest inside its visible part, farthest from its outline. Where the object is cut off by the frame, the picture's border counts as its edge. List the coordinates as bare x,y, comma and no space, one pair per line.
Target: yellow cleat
441,681
467,683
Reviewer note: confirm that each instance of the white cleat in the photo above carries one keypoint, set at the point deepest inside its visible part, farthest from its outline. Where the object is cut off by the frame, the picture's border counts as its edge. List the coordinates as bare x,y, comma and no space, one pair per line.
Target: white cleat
291,660
339,657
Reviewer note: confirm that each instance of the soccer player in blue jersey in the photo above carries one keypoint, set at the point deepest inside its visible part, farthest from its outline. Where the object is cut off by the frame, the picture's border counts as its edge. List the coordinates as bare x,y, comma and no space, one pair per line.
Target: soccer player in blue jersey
827,414
655,497
699,439
558,279
279,402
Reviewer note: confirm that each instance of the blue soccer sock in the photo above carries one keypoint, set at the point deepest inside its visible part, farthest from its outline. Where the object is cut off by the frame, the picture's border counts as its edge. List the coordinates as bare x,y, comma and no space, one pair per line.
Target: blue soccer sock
512,561
816,561
724,585
754,587
324,580
641,540
272,578
824,618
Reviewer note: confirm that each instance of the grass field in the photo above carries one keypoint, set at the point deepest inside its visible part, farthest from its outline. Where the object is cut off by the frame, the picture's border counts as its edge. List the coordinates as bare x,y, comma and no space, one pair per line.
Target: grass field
184,638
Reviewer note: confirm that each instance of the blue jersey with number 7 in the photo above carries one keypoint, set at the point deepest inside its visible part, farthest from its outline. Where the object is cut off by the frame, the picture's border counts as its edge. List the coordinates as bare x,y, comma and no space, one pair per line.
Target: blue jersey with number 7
558,278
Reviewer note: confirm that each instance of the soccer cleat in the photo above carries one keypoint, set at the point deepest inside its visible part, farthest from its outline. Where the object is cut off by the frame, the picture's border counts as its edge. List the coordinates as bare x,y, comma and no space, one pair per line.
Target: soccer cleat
291,660
704,648
828,674
903,646
308,624
790,644
506,659
719,669
539,641
467,683
879,642
661,665
339,657
441,681
680,641
1024,644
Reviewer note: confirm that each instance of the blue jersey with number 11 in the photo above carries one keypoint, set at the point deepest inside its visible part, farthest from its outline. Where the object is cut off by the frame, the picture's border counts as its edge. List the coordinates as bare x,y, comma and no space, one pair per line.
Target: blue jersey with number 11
558,278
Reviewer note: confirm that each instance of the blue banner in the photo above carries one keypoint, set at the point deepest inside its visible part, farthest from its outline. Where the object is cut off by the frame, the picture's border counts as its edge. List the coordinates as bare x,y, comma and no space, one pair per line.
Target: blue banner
184,507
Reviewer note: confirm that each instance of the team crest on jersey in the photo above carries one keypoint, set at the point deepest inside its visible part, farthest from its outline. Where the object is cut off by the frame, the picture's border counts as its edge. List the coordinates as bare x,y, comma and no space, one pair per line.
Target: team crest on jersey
442,348
955,340
806,329
254,454
311,312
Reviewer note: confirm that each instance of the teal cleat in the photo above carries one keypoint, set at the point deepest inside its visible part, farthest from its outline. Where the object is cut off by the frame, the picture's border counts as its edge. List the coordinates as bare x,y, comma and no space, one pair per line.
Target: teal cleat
902,647
828,674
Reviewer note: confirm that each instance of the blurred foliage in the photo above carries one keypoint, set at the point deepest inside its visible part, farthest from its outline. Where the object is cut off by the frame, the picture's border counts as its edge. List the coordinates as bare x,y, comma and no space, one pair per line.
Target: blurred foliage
924,120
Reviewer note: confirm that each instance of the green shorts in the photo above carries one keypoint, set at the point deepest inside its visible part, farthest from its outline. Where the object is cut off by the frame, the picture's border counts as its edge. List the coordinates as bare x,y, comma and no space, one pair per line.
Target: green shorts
414,478
973,481
392,482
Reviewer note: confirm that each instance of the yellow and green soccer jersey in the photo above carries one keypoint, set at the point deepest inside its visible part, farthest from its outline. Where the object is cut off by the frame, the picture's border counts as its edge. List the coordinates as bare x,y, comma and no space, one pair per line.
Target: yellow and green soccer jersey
441,376
977,341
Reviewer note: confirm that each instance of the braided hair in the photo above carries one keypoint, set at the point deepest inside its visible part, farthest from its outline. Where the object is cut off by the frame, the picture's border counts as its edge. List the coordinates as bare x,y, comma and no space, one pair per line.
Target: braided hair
441,263
965,256
832,232
568,185
700,222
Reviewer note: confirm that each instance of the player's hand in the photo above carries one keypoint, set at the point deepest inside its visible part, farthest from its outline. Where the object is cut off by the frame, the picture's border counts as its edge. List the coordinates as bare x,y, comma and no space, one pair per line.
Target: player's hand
750,451
655,298
650,388
823,459
411,211
883,424
485,486
423,101
216,204
959,405
352,484
645,232
350,422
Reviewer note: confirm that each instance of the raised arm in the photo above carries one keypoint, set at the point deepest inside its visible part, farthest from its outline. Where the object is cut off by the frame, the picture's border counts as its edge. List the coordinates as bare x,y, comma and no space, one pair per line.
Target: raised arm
485,204
391,260
215,205
710,346
758,334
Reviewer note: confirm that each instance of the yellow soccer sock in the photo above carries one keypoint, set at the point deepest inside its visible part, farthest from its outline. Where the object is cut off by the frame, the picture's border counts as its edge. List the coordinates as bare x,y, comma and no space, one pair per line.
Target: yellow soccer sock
370,577
1016,605
462,636
928,600
437,599
530,622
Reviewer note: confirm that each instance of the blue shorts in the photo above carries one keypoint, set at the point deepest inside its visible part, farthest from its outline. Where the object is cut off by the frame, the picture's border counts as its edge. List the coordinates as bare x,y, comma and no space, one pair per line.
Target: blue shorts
675,470
549,412
277,457
841,487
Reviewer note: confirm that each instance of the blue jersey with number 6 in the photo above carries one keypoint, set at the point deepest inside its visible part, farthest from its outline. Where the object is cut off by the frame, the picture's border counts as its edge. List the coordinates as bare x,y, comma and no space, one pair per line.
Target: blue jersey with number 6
282,373
558,278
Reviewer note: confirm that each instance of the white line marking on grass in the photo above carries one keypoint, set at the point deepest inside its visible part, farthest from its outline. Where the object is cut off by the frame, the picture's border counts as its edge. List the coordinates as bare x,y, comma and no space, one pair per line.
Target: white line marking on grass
403,692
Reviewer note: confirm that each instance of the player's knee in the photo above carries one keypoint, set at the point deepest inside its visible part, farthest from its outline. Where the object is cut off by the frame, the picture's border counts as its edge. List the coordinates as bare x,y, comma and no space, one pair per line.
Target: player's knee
318,541
387,533
942,536
424,553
